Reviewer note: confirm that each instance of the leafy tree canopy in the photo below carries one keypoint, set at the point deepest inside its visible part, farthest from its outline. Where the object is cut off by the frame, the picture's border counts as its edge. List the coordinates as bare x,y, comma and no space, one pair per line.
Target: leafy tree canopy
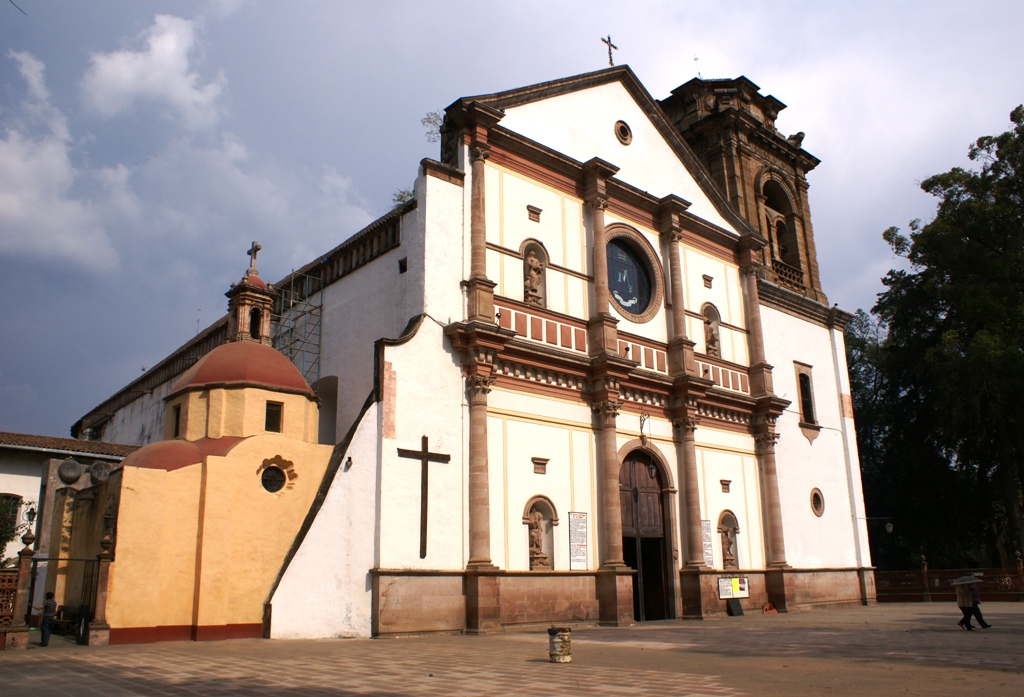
938,370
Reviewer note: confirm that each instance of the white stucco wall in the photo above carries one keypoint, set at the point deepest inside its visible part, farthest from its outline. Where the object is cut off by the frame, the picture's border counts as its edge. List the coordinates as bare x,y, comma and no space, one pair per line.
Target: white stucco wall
829,463
326,590
582,125
521,427
20,474
429,401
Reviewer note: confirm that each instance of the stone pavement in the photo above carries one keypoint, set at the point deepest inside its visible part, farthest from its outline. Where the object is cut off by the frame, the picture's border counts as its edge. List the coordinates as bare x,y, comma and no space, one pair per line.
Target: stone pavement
911,649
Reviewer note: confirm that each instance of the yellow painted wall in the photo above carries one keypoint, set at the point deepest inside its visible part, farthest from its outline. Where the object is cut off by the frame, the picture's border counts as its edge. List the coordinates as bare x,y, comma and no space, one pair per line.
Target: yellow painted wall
238,412
152,575
208,534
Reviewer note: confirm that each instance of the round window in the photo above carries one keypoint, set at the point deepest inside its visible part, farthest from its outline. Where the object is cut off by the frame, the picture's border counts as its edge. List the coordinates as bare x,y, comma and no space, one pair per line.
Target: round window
623,132
817,502
629,280
273,479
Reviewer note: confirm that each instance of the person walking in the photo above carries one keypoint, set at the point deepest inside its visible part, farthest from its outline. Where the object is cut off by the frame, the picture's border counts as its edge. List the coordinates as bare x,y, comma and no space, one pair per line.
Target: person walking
963,601
975,609
49,608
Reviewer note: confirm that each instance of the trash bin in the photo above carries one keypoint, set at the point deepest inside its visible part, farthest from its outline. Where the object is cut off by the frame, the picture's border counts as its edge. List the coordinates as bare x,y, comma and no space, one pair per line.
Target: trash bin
560,644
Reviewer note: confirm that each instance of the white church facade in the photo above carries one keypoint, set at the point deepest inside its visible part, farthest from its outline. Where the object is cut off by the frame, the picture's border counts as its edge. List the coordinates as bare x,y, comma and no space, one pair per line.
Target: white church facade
588,374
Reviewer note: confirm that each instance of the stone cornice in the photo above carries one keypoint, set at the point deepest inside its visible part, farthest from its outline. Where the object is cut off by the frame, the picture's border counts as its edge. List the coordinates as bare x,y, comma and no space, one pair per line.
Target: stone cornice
800,306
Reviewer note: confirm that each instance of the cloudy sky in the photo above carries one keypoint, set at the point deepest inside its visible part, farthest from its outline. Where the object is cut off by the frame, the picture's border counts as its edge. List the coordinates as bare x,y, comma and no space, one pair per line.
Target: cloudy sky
145,144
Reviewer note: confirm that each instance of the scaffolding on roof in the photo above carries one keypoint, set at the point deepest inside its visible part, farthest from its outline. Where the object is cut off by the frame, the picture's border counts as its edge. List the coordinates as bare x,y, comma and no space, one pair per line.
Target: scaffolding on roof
295,327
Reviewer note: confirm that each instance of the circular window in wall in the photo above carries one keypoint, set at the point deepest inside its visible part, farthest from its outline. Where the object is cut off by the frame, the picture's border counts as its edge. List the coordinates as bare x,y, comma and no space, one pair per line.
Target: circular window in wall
629,281
273,479
817,502
623,132
633,279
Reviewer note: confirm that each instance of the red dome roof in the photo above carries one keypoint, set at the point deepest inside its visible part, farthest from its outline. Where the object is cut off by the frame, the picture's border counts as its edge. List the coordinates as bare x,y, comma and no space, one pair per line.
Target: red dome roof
170,455
243,364
251,279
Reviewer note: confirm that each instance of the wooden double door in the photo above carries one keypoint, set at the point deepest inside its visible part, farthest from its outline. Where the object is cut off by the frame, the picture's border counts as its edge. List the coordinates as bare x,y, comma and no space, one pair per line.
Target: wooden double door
643,535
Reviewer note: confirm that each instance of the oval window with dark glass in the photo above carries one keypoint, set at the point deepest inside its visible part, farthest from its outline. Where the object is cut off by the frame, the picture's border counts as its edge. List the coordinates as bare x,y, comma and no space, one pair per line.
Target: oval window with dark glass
629,280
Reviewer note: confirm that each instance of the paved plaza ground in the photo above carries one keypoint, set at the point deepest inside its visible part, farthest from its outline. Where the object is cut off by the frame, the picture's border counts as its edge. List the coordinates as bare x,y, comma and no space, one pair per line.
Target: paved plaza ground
907,649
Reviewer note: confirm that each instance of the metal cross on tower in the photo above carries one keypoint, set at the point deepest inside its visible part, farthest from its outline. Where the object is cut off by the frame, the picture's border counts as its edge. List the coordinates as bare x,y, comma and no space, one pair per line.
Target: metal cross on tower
608,41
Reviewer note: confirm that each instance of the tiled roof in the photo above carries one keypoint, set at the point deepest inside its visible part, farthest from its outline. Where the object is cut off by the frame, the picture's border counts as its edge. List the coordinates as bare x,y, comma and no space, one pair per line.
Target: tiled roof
65,445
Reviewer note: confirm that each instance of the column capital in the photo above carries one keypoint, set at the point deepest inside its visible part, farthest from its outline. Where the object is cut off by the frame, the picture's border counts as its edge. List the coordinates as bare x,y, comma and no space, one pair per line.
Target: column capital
597,203
766,440
479,386
479,151
687,424
607,407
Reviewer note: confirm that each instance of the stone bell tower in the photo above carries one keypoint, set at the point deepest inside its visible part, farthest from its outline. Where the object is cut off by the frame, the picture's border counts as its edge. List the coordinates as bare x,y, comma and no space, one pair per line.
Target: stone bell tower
731,127
249,305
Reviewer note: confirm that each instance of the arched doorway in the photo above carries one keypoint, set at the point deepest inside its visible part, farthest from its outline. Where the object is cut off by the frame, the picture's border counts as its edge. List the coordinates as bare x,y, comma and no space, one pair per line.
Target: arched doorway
643,535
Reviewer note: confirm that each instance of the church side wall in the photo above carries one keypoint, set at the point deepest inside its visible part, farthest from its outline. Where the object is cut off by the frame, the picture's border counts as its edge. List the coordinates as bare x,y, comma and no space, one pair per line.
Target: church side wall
326,590
141,421
828,541
424,396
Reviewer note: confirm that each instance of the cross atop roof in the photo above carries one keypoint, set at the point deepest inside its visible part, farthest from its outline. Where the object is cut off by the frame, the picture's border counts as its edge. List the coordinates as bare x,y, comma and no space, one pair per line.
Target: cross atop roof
253,251
608,41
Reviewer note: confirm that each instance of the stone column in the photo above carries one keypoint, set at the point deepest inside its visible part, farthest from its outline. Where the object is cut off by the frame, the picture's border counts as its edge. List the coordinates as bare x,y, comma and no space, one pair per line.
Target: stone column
760,371
99,630
480,288
611,507
602,337
766,453
479,385
614,578
680,348
17,632
598,205
691,517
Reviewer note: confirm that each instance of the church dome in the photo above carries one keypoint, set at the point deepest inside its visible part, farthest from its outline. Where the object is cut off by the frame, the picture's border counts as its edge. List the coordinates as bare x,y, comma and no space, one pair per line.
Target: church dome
170,455
243,364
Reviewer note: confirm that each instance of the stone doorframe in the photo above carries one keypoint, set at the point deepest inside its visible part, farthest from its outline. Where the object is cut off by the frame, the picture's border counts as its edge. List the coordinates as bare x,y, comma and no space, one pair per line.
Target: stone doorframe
669,506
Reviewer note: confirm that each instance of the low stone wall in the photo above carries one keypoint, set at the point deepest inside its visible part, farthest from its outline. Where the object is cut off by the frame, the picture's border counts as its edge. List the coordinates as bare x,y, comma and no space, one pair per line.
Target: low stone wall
789,590
934,585
406,602
533,597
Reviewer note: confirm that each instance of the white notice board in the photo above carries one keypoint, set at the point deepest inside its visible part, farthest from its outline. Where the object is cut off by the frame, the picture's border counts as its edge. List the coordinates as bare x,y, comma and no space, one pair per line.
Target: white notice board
577,541
705,537
735,587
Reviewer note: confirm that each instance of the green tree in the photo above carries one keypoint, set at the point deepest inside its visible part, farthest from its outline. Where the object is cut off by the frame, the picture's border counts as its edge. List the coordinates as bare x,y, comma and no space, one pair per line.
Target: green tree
951,365
12,526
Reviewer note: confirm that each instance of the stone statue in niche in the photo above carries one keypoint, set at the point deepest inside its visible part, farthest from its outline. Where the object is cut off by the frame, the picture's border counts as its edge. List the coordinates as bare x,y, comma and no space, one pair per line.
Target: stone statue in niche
728,533
710,337
538,560
533,276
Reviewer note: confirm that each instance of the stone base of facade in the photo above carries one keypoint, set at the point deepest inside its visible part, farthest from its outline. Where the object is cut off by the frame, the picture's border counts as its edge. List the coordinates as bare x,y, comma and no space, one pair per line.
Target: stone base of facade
182,632
99,634
15,637
787,589
410,602
413,602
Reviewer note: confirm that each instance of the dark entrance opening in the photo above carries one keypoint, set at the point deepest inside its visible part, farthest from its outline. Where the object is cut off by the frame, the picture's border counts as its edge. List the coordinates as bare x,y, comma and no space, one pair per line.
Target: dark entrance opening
643,535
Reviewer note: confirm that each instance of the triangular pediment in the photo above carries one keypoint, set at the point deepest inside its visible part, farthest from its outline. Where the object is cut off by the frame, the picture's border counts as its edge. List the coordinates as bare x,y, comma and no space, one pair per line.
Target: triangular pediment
577,117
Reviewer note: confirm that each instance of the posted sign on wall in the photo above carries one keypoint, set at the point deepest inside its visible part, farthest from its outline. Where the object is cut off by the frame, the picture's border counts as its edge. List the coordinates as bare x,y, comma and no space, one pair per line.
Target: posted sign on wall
705,537
735,587
577,541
